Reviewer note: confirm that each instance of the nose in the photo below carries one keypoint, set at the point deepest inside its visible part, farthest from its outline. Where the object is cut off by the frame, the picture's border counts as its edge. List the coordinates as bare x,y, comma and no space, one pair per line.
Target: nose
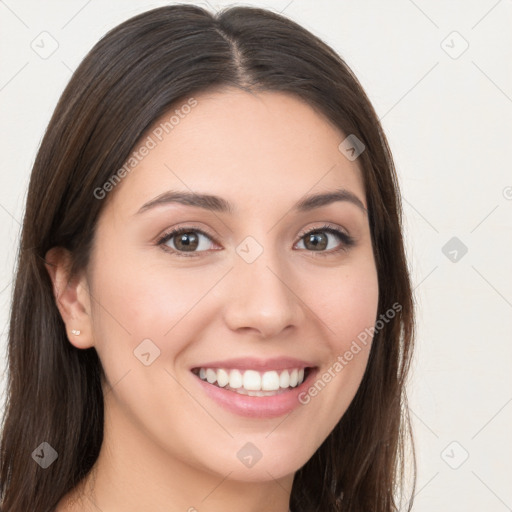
261,297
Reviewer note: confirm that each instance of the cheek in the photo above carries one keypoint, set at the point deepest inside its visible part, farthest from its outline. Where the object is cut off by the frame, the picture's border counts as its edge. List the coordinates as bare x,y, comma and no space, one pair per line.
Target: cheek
347,305
347,302
136,300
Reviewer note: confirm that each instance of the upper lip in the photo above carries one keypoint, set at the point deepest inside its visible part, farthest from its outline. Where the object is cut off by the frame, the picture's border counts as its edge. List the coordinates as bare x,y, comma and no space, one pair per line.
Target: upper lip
250,363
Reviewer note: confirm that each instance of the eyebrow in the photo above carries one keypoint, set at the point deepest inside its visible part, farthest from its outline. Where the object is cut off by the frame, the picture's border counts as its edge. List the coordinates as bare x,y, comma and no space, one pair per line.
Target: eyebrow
221,205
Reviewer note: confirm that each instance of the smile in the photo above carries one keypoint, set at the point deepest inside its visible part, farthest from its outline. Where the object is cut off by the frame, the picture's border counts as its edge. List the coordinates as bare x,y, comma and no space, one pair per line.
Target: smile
252,382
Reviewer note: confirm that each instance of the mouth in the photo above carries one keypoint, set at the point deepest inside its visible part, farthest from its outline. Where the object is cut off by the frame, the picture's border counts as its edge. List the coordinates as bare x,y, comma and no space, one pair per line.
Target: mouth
252,382
256,388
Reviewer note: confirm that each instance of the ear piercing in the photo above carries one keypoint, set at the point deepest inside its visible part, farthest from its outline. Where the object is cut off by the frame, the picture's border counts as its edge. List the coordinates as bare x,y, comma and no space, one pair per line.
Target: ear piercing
75,332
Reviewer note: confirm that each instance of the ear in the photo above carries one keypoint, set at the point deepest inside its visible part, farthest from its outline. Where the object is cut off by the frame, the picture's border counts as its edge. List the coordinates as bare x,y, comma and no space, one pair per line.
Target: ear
71,297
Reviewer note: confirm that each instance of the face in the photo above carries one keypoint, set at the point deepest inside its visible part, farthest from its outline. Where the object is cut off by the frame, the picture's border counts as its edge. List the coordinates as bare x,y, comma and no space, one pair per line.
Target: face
201,305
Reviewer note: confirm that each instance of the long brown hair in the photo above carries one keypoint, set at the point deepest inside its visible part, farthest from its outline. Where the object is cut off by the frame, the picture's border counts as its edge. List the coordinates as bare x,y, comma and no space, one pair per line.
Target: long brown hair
127,81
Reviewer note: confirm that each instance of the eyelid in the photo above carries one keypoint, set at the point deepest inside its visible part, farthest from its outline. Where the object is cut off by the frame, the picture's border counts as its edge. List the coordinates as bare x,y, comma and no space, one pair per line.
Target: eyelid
325,227
347,240
169,234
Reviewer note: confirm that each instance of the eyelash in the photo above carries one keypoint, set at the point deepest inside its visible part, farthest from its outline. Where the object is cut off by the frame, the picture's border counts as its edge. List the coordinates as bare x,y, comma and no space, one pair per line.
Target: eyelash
346,240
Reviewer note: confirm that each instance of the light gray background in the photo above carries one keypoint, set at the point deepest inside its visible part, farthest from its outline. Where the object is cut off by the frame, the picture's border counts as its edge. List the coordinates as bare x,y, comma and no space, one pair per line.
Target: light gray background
447,112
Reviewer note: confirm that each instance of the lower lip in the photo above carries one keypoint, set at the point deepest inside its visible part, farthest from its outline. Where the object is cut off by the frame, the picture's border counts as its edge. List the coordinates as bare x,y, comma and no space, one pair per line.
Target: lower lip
257,406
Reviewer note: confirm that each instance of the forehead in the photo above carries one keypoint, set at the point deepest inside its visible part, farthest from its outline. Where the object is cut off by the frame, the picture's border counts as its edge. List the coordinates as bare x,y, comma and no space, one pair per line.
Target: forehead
253,149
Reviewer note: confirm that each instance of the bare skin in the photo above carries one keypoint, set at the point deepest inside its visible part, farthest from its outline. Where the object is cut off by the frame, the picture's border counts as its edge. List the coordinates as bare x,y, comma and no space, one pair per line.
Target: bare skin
167,445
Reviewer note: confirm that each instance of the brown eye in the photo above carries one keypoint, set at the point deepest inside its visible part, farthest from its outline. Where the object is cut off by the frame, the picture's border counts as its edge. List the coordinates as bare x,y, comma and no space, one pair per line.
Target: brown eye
186,240
323,240
315,241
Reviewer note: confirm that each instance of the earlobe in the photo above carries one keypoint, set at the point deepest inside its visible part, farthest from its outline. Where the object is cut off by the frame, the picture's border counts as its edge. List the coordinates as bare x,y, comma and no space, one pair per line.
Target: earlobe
73,304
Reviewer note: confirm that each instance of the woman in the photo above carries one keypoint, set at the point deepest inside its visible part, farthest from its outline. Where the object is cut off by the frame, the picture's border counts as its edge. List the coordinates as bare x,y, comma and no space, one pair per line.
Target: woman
212,306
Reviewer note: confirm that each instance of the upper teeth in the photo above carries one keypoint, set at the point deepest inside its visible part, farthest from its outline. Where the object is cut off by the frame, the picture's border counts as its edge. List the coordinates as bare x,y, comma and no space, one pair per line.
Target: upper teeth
252,380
